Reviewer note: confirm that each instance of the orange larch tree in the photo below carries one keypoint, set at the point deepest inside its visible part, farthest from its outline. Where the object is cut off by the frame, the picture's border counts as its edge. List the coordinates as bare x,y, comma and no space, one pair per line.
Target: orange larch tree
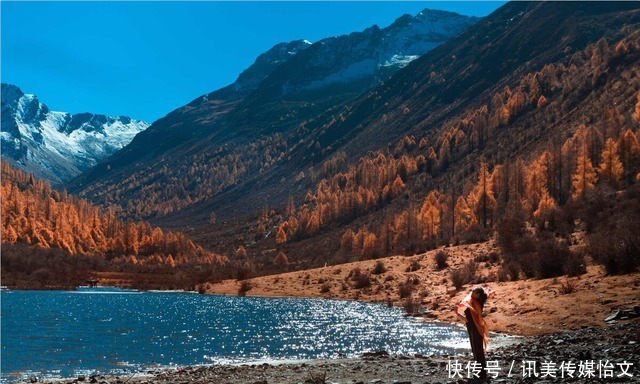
584,178
611,168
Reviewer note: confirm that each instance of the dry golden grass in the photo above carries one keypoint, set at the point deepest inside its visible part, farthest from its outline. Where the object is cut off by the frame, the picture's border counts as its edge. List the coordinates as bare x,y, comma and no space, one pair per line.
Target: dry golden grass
524,307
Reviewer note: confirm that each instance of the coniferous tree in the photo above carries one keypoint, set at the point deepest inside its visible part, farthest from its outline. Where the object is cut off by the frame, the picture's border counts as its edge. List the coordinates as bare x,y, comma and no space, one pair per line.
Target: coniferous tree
636,112
346,241
241,253
291,208
430,216
629,153
584,178
281,236
546,209
281,260
481,198
611,168
465,218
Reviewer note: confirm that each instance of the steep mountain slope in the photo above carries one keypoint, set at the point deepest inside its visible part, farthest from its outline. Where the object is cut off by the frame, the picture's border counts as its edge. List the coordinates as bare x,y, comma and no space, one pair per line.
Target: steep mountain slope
247,116
443,85
355,62
430,133
483,106
516,39
57,146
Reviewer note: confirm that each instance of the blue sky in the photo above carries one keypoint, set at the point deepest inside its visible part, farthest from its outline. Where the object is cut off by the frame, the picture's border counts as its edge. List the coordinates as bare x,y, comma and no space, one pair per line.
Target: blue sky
144,59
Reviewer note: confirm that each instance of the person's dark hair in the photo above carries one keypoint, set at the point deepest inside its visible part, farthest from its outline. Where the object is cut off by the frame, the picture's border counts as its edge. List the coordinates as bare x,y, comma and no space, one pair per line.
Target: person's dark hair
482,295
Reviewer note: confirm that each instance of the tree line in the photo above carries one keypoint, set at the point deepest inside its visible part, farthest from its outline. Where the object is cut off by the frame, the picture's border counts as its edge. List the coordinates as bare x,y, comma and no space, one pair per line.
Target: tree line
36,215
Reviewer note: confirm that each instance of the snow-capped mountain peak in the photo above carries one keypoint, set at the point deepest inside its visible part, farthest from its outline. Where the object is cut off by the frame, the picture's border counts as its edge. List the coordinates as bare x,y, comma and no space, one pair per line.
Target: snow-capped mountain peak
58,146
360,60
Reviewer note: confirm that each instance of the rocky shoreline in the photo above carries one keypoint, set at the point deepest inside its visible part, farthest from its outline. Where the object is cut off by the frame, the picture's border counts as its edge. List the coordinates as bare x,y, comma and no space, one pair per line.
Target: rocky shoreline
589,354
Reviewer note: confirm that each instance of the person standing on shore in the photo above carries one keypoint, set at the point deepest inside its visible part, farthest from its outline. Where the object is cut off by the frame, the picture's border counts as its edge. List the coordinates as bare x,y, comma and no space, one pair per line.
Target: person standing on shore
470,309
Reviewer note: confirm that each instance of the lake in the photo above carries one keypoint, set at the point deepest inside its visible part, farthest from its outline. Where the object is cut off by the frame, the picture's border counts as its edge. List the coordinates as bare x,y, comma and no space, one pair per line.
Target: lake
109,330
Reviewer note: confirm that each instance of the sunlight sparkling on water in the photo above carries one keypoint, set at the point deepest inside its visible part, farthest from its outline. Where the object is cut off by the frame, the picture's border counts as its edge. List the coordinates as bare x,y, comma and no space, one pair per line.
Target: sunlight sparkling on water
66,333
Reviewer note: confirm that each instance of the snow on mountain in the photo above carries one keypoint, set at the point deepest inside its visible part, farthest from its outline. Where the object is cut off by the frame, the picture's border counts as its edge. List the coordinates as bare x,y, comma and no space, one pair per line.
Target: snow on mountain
360,60
397,45
57,146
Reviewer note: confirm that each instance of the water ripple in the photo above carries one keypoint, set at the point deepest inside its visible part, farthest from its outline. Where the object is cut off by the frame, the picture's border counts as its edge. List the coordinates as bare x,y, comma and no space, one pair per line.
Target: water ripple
63,333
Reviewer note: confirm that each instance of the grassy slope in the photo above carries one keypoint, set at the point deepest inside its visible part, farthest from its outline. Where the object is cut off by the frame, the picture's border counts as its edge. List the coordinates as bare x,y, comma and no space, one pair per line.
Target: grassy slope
525,307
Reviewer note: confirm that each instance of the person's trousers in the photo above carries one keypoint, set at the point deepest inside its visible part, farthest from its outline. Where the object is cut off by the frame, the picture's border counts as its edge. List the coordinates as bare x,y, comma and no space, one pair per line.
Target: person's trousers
477,347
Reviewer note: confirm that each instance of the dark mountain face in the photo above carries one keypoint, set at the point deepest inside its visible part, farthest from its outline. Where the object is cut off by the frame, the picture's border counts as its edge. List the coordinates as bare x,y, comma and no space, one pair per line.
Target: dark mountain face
266,63
514,40
353,63
10,96
286,85
57,146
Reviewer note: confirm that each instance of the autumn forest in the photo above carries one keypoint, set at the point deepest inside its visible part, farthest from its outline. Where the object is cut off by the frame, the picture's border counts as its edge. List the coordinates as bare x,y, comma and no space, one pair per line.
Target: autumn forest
539,156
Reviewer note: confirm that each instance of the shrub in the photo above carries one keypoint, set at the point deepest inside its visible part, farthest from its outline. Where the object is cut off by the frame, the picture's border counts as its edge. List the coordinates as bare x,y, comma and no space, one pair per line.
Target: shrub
245,287
374,253
493,257
525,244
411,305
528,264
441,259
503,274
552,258
567,287
618,250
464,275
414,266
379,268
509,230
595,212
509,271
405,289
414,248
42,276
471,269
459,278
361,280
325,288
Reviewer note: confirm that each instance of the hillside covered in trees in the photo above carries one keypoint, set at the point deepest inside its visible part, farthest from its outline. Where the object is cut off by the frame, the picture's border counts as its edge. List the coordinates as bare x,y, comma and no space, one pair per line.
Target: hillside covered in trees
603,156
537,154
523,128
51,238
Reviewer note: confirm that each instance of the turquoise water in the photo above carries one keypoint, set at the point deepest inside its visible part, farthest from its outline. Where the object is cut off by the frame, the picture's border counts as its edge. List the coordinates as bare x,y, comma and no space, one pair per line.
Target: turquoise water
105,330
